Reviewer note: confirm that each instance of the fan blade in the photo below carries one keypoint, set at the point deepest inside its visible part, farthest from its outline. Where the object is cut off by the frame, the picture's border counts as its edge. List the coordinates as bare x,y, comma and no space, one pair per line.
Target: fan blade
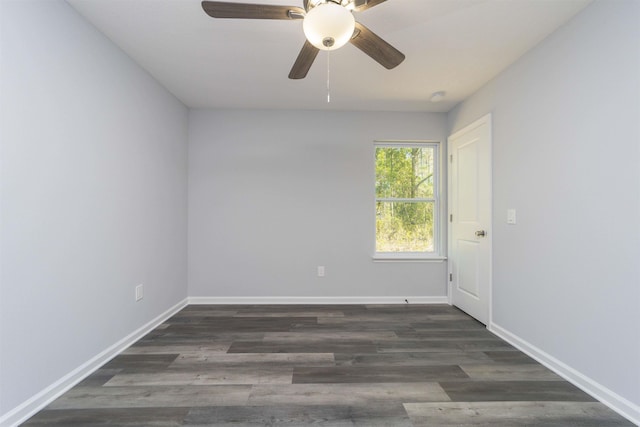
361,5
378,49
304,61
221,9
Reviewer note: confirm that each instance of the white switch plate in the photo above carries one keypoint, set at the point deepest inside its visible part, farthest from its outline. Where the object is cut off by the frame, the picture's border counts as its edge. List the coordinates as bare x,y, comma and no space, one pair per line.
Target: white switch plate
321,271
139,292
511,216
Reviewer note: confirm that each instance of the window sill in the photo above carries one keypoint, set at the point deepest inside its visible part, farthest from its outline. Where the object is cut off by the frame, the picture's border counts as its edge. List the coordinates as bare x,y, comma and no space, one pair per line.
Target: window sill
407,257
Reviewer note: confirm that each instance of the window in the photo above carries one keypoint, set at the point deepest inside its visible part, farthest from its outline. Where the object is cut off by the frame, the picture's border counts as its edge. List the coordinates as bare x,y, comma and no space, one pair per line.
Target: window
407,204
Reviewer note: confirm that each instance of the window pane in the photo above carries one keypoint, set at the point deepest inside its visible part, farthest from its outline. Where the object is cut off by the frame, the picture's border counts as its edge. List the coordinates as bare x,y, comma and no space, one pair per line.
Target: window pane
404,227
404,172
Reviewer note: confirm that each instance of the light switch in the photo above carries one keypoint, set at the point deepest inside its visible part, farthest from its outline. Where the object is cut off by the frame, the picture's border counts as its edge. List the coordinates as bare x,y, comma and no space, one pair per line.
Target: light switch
511,216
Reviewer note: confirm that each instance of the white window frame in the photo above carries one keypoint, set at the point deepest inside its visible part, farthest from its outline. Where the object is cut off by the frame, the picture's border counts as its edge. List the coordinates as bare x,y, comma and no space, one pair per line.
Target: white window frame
436,255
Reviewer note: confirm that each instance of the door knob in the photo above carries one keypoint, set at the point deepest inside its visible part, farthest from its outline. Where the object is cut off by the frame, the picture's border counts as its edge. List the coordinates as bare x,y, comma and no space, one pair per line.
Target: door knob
481,233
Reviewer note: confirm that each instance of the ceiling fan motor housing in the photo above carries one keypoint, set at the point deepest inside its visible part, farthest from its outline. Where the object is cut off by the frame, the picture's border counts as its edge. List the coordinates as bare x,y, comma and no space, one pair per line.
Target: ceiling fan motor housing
328,41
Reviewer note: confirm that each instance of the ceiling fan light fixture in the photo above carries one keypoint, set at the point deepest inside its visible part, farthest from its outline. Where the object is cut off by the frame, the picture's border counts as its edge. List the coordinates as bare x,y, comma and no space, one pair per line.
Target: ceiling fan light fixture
328,26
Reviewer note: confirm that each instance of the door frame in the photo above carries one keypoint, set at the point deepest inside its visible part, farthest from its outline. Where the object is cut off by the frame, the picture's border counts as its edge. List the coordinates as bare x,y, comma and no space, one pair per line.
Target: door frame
486,119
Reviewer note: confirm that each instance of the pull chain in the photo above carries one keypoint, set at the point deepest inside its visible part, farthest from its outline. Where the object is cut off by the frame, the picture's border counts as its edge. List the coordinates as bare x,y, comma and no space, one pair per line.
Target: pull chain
328,76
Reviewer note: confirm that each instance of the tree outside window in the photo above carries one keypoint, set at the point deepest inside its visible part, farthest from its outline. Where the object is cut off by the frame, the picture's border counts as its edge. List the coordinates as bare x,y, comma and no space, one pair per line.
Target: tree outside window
406,198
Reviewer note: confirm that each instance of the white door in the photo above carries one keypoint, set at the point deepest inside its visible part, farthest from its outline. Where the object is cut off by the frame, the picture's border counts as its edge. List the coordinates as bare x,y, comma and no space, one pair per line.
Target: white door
470,219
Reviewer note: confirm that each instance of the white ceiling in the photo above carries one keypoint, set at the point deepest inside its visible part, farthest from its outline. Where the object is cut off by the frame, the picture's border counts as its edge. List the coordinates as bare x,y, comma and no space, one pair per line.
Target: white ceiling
454,46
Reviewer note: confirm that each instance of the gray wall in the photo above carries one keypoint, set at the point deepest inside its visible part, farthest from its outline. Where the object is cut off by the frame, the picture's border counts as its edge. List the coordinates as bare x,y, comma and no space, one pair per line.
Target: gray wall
94,196
566,156
274,194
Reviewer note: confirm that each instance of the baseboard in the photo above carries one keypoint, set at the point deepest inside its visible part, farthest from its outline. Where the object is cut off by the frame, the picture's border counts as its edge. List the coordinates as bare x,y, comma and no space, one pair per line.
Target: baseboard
614,401
30,407
317,300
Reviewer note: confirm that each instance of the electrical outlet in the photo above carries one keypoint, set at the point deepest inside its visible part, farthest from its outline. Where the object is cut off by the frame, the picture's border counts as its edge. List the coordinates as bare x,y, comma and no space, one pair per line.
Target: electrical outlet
321,271
139,292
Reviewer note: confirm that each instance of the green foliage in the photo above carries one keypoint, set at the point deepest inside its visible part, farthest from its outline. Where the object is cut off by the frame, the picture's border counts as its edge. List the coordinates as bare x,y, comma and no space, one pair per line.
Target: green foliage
404,179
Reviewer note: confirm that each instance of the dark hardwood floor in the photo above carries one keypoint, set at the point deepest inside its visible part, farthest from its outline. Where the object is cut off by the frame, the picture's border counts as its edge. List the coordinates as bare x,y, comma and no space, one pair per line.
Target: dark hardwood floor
356,365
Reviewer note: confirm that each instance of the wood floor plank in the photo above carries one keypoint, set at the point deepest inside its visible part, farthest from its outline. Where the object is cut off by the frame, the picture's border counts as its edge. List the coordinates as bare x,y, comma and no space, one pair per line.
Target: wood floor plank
333,327
195,311
329,336
512,372
99,377
195,337
402,345
457,315
376,374
183,349
403,310
152,397
302,308
345,394
476,391
514,414
421,358
447,325
509,357
121,417
212,376
252,324
454,335
291,312
141,362
376,318
381,415
302,347
374,321
209,360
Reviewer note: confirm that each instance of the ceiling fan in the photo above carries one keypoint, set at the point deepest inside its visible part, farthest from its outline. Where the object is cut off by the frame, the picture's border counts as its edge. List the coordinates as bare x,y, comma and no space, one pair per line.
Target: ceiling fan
327,24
